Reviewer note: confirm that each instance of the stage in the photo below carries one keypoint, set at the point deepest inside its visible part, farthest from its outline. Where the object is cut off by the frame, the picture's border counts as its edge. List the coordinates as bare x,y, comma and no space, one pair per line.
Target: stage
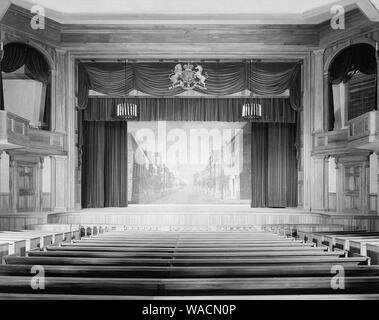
188,217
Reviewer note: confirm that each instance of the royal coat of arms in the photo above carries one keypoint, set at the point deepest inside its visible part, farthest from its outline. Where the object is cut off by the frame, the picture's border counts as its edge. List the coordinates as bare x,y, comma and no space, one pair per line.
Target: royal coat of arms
189,78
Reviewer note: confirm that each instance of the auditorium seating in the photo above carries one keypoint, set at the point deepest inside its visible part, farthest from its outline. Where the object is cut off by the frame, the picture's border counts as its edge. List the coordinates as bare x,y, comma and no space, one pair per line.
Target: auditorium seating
127,265
18,242
354,243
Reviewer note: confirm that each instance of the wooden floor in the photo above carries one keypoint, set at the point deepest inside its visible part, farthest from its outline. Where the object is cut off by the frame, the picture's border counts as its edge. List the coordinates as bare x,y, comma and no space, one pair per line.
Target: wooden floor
162,265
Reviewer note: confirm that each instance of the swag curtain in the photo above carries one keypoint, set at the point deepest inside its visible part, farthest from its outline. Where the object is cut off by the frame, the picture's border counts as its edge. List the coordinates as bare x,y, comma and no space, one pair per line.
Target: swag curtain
105,155
274,165
191,109
224,79
17,55
358,57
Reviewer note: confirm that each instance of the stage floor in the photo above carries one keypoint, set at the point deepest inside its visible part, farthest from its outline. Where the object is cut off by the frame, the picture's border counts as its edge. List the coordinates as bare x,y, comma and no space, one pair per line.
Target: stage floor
188,217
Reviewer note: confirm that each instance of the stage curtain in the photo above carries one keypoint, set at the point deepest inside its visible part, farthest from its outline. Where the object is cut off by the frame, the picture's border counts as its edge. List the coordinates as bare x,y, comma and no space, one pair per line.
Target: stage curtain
274,165
259,165
191,109
223,79
93,171
282,166
83,87
104,175
357,57
17,55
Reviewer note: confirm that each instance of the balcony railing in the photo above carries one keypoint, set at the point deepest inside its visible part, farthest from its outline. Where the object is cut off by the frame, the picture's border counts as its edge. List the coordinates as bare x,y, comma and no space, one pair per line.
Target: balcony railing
15,133
364,131
330,142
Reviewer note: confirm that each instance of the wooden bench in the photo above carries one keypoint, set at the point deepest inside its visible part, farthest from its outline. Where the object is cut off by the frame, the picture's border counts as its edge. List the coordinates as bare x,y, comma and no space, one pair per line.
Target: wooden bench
267,297
192,286
188,264
74,247
157,246
324,236
20,244
299,270
43,260
71,231
47,238
6,248
188,255
291,230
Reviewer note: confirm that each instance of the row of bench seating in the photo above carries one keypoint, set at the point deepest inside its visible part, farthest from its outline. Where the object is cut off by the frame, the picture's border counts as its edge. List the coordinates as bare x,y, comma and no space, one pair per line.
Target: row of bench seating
353,242
124,264
18,242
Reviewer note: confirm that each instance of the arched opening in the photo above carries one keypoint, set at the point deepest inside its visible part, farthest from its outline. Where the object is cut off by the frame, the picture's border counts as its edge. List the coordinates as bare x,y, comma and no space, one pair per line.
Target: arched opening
169,155
352,84
26,84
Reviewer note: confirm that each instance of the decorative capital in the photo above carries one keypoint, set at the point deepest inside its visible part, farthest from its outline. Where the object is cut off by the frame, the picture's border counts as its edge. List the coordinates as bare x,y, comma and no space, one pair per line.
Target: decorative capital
61,52
319,52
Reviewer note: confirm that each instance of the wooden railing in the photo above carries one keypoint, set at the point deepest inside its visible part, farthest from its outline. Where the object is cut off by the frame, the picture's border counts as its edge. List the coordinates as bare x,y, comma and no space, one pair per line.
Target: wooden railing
15,133
364,131
330,142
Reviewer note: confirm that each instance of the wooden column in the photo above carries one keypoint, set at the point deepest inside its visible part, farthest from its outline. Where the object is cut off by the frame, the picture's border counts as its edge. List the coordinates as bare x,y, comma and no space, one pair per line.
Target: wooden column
318,100
339,185
319,183
377,74
38,184
58,183
326,100
307,134
12,184
326,183
58,89
365,185
70,129
377,174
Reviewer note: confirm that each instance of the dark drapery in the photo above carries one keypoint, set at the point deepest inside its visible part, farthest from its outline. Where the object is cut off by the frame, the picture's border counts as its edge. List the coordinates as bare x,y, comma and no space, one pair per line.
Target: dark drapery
191,109
17,55
358,57
224,79
2,105
274,165
104,175
259,165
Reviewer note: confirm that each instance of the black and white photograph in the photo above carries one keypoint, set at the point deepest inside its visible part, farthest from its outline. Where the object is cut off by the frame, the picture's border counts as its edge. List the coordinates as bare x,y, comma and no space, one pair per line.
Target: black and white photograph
189,155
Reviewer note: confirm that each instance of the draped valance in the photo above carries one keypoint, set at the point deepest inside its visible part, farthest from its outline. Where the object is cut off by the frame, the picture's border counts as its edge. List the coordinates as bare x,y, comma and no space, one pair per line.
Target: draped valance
191,109
358,57
17,55
224,79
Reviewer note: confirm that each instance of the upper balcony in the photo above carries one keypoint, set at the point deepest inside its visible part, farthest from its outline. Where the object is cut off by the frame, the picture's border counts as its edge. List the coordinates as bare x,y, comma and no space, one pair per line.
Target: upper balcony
364,131
15,133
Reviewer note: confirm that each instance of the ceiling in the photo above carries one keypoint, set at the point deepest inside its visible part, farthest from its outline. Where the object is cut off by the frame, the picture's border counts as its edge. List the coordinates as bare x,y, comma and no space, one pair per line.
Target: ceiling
201,11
